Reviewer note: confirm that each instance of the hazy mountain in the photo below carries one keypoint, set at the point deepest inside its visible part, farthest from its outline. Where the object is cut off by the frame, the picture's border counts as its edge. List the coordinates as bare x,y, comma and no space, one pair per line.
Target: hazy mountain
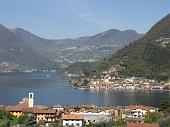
148,56
14,49
93,48
19,44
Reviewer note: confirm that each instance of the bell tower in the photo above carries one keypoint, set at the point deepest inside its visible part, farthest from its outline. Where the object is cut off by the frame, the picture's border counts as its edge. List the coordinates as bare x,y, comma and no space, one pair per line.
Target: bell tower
31,100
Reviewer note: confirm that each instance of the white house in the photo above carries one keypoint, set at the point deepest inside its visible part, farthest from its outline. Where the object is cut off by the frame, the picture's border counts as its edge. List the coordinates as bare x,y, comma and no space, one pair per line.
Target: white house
95,117
58,107
72,120
135,111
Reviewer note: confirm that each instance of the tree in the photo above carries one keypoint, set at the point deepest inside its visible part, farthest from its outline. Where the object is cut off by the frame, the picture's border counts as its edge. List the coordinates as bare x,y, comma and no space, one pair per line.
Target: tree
164,122
22,119
152,117
164,105
30,121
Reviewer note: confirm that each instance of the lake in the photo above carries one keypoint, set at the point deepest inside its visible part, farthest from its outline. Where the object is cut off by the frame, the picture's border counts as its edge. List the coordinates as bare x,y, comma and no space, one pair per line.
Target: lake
52,88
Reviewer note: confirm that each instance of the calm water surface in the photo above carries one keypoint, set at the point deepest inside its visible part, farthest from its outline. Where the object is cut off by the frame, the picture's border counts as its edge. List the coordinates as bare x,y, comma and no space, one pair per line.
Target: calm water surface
52,88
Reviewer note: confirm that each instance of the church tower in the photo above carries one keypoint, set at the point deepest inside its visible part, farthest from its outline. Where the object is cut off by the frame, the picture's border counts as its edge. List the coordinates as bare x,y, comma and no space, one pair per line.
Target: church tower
31,100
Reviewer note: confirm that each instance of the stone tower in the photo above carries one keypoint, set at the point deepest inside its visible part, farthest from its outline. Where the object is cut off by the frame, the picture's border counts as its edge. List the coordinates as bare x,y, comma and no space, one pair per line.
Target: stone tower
31,100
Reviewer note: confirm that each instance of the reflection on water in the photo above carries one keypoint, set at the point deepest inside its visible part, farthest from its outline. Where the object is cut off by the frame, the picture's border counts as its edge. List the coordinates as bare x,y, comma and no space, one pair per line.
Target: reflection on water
51,88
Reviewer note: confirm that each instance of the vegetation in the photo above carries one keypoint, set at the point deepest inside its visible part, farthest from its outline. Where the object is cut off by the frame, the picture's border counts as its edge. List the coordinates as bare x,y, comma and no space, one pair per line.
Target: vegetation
147,57
152,117
6,119
81,68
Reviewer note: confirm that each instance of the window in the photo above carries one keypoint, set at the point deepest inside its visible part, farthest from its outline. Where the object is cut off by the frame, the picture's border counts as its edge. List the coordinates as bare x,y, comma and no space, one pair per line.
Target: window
78,124
30,95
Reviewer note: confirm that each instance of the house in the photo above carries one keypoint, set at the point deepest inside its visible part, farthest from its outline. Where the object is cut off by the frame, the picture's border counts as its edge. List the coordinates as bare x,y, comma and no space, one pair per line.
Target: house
141,125
95,116
47,115
137,111
59,108
75,120
15,110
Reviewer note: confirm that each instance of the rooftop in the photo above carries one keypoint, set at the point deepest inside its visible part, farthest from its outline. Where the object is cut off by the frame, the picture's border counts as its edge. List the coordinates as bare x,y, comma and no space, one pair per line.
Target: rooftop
14,108
141,125
140,107
72,117
44,111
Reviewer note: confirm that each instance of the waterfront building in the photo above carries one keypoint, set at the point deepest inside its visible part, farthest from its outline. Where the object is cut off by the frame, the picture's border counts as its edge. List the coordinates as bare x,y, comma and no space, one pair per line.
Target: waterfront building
58,107
95,117
75,120
135,113
15,110
48,115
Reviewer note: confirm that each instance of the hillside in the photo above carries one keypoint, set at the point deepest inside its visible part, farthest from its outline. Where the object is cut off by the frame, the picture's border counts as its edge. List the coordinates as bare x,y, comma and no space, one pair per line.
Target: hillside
14,50
92,48
148,56
22,48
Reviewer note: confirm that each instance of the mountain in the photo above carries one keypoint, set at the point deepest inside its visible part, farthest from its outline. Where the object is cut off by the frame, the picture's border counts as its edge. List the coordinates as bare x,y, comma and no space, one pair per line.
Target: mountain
18,44
14,49
148,56
92,48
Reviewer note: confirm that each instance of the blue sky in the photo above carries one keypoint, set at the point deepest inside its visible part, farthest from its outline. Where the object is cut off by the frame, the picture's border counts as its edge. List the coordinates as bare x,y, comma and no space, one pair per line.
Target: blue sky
73,18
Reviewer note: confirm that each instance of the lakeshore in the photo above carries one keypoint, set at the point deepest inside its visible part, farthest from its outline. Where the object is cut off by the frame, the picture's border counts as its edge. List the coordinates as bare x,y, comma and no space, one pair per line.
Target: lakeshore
55,85
77,116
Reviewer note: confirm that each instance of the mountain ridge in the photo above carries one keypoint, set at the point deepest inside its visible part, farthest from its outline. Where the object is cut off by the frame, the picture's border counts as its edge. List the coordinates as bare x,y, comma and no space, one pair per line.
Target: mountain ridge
63,51
148,56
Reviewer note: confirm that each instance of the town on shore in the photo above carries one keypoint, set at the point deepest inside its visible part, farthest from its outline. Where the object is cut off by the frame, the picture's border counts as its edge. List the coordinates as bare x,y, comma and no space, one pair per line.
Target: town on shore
87,115
110,80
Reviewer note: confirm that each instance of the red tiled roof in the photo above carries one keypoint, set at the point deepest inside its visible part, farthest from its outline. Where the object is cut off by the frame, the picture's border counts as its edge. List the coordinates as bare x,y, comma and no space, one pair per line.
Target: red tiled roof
72,117
88,106
23,104
45,111
141,125
140,107
14,108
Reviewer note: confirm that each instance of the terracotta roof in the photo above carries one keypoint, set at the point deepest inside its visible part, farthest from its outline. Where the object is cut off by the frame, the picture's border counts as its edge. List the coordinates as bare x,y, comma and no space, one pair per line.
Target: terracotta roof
45,111
72,107
141,125
14,108
88,106
140,107
23,104
72,117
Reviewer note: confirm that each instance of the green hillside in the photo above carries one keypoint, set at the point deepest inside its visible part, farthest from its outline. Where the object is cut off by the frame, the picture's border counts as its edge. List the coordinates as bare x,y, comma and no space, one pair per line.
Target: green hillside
148,56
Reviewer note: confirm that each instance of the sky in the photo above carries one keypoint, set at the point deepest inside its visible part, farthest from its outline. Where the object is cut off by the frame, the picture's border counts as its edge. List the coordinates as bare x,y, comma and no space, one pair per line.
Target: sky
57,19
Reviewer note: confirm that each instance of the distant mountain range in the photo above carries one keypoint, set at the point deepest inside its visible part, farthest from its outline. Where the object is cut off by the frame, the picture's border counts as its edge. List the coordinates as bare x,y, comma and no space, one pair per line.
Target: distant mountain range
148,56
21,47
92,48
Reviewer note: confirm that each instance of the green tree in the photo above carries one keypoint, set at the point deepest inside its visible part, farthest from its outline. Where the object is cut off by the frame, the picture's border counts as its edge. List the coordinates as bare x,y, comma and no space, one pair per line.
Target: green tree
22,119
164,122
152,117
164,105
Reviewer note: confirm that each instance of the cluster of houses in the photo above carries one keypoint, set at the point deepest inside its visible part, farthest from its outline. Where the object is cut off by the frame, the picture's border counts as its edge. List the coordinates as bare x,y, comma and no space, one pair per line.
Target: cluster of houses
132,83
109,80
79,115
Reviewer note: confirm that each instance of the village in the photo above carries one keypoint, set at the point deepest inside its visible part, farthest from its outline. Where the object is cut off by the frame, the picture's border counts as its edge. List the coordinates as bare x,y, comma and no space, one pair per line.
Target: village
109,80
82,115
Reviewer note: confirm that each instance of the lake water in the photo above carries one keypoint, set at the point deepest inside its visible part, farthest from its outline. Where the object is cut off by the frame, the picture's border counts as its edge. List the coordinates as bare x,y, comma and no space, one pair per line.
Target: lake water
52,88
